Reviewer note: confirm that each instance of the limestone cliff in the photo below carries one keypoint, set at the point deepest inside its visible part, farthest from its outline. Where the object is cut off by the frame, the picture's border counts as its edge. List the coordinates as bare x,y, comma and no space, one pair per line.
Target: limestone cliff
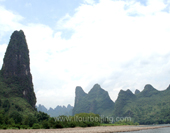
16,68
96,101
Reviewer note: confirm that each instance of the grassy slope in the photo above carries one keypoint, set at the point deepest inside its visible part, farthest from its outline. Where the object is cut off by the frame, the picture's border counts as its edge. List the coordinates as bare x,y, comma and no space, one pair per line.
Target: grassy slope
9,92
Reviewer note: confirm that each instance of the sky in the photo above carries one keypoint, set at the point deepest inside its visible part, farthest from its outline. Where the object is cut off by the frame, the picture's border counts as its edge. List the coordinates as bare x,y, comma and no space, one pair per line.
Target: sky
119,44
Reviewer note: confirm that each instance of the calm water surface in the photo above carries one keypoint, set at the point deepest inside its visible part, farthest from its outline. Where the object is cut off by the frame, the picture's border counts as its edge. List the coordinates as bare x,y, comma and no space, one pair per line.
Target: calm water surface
158,130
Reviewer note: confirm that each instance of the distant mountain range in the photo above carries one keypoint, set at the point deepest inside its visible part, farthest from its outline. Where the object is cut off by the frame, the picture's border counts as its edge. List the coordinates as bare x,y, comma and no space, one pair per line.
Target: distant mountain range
146,107
59,110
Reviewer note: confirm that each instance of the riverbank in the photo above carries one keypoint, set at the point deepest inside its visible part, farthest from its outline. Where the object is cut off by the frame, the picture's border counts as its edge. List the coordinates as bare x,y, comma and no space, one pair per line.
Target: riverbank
100,129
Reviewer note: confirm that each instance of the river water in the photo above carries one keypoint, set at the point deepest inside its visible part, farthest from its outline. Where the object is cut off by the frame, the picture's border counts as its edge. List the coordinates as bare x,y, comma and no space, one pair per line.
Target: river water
158,130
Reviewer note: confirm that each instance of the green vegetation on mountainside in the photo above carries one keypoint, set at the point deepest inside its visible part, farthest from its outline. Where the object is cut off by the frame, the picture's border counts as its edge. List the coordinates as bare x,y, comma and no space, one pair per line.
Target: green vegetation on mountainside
16,79
16,102
16,87
147,107
96,101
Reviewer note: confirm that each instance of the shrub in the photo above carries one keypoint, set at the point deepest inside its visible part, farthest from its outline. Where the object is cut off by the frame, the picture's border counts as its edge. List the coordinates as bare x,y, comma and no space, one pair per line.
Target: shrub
72,124
105,120
36,126
2,111
87,119
31,120
24,126
6,105
1,119
82,124
41,116
51,122
18,108
45,124
58,124
17,117
25,120
17,126
6,119
4,126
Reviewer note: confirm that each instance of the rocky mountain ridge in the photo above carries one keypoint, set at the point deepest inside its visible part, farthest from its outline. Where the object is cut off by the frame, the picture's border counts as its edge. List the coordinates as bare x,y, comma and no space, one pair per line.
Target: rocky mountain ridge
96,101
59,110
146,107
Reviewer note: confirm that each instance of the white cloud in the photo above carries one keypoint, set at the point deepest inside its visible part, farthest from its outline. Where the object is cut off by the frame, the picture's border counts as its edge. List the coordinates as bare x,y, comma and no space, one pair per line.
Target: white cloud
109,46
106,25
152,7
107,36
9,20
89,1
2,49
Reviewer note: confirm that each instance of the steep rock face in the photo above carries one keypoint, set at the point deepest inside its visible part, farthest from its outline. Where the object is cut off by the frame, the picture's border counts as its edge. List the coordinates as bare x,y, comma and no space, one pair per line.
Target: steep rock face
79,94
123,99
96,101
16,68
16,60
101,99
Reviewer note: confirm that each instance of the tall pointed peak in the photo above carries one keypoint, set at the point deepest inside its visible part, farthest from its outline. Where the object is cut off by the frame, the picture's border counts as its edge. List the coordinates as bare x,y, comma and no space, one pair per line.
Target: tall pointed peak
96,89
96,101
96,86
129,91
80,91
148,91
125,94
79,88
21,33
149,87
16,67
16,61
69,106
79,94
